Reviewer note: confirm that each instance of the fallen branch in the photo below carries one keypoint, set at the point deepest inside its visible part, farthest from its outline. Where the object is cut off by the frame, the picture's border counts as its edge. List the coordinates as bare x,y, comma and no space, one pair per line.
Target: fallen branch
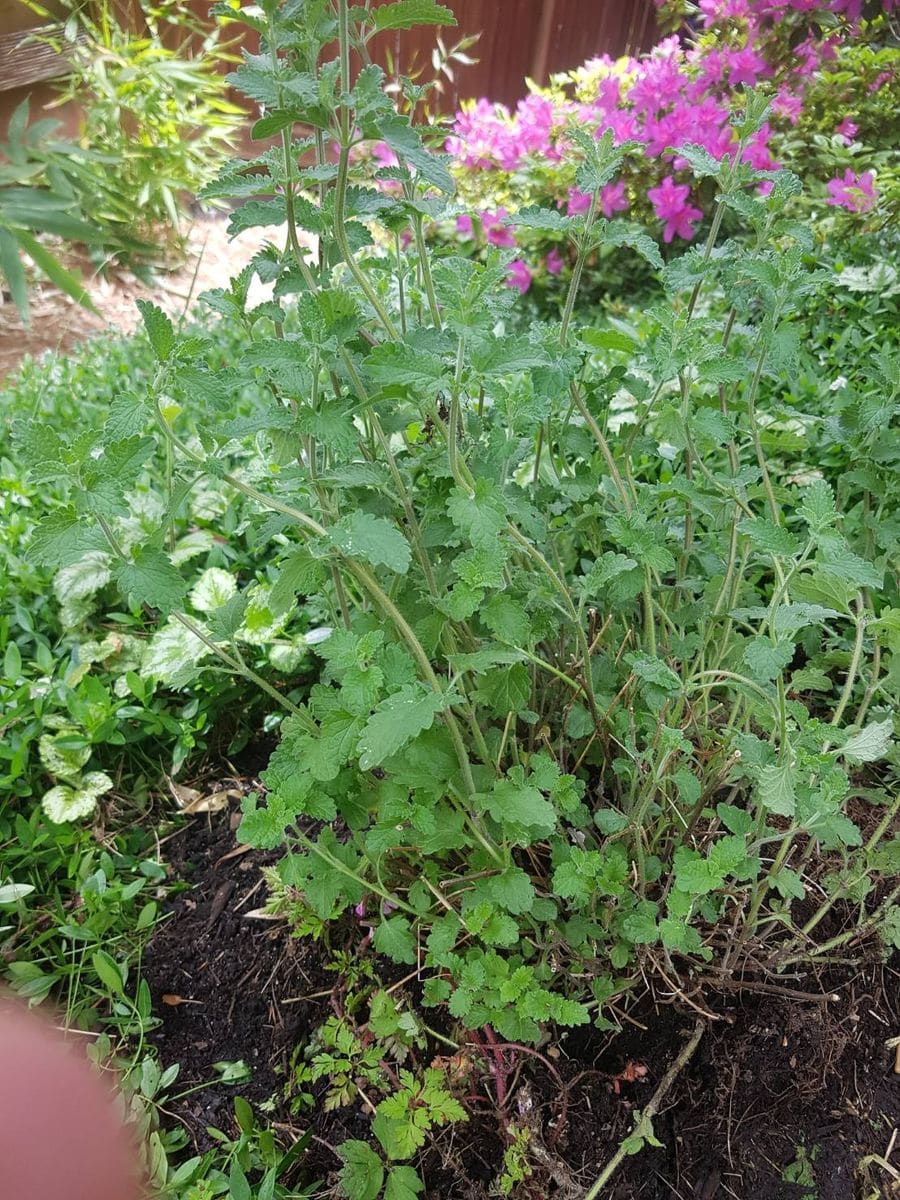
652,1108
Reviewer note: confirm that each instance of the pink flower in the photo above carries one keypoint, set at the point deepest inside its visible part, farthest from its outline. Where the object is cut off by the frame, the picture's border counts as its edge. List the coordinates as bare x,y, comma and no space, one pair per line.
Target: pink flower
854,192
847,129
554,262
384,155
612,198
670,203
464,225
498,234
579,202
787,104
519,275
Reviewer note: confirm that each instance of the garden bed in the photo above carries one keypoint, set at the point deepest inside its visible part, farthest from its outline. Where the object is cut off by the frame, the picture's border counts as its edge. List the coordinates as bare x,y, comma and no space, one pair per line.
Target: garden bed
784,1097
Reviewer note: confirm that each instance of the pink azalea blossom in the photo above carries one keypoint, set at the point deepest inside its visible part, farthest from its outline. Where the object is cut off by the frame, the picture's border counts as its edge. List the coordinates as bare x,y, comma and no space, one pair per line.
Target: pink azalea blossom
854,192
497,233
464,225
579,202
519,275
612,199
847,129
670,203
554,262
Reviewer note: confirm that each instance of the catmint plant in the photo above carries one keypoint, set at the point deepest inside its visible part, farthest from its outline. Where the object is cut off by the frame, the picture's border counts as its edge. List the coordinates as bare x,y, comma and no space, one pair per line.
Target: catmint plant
561,731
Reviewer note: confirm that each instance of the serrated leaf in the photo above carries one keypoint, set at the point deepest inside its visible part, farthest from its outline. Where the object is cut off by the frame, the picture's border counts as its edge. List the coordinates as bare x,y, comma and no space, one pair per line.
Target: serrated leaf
63,539
150,578
818,507
701,162
776,788
397,364
771,538
480,516
693,873
871,743
396,721
767,659
403,1182
362,1175
404,14
394,937
521,809
373,539
128,416
405,140
160,329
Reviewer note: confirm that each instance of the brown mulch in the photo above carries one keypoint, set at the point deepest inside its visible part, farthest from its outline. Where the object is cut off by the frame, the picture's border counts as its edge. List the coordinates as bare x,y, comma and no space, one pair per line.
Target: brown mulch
774,1081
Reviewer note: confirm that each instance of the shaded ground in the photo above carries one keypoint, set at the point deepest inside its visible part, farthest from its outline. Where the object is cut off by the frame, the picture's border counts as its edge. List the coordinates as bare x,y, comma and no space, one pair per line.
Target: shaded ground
778,1088
58,323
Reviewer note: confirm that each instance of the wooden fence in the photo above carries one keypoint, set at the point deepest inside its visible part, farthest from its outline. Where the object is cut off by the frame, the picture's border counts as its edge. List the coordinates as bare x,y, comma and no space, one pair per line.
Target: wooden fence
518,39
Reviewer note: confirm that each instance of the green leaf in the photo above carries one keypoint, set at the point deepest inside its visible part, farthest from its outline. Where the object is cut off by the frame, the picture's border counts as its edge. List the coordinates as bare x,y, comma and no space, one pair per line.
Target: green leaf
693,873
522,810
405,141
63,539
776,786
65,280
108,971
404,14
214,588
363,1174
818,508
373,539
771,538
397,720
767,659
403,1182
699,159
480,516
870,744
64,803
13,272
394,937
397,364
159,329
151,579
512,889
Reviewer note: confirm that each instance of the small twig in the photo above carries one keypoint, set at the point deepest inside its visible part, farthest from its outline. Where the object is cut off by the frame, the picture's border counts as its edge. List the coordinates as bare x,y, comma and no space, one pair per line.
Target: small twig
770,989
652,1107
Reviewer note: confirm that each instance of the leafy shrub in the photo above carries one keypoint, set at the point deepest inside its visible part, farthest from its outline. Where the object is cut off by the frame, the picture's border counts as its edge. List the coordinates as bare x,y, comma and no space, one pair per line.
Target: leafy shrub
156,120
831,80
609,682
98,690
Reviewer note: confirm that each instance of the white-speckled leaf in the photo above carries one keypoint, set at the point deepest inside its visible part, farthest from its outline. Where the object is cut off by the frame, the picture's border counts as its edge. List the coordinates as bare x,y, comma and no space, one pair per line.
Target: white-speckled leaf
213,589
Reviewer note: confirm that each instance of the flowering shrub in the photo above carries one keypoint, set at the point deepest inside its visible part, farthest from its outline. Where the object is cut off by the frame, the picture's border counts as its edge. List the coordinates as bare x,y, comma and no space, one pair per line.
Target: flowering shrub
684,94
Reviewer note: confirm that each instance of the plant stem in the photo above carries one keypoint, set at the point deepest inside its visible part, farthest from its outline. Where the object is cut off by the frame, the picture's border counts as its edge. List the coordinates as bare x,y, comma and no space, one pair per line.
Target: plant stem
651,1110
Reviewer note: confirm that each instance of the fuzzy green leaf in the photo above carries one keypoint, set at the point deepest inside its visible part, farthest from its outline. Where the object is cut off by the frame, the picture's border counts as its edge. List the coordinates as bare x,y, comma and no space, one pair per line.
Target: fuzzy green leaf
396,721
373,539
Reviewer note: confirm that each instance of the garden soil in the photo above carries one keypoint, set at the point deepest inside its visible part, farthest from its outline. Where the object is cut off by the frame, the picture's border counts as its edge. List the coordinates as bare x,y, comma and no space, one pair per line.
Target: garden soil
784,1098
57,323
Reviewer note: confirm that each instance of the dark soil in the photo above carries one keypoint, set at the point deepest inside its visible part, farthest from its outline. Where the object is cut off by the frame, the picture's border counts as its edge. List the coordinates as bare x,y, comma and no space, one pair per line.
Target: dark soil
773,1077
